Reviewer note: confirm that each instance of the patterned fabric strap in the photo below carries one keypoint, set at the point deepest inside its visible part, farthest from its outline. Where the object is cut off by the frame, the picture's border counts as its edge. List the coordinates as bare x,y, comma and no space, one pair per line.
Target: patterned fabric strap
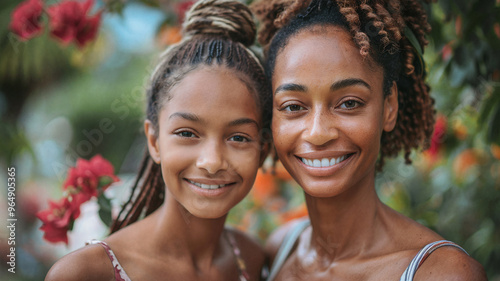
287,246
120,274
423,255
244,276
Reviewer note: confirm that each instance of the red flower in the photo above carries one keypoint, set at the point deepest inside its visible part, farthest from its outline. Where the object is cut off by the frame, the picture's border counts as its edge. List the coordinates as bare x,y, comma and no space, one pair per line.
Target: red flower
182,8
69,21
87,177
26,19
438,136
102,167
57,220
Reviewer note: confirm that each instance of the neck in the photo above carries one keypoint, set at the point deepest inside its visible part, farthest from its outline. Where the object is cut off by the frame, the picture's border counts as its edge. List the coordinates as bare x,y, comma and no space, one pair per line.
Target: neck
180,234
345,225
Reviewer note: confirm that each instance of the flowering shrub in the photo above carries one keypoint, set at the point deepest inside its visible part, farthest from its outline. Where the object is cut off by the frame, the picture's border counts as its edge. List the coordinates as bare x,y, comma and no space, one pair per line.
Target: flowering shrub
87,180
68,21
26,19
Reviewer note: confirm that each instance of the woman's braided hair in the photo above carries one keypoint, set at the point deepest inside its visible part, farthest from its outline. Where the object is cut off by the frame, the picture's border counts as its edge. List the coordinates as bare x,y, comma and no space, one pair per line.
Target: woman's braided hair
382,29
216,33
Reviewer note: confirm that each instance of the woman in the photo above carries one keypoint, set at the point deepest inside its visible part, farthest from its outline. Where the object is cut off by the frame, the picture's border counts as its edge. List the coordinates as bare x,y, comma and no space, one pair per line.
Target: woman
348,89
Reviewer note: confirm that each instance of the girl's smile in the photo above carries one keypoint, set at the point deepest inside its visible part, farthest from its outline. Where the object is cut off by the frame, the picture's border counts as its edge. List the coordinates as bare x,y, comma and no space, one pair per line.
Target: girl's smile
208,126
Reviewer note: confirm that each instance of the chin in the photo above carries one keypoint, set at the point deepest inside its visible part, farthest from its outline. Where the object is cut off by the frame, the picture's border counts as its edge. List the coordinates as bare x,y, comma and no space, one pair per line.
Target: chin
325,189
209,213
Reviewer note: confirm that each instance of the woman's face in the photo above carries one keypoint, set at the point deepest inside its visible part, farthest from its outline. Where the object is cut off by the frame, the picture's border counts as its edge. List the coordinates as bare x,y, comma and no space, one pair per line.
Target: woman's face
329,111
208,141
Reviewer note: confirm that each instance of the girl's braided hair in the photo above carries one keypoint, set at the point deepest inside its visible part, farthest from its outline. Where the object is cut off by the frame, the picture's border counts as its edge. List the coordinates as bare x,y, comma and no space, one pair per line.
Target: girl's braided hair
216,33
385,30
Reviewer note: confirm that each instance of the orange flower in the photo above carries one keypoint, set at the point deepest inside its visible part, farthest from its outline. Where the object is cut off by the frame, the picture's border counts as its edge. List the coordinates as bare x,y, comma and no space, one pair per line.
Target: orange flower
169,35
281,173
495,151
464,161
297,212
460,130
264,187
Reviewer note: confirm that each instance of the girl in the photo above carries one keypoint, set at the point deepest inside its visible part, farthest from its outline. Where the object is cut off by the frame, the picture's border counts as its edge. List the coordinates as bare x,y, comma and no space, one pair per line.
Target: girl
207,107
348,89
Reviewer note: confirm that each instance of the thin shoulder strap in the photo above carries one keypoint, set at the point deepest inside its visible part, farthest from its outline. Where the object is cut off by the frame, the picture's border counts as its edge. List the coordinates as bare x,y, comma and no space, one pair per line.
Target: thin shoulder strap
422,256
120,274
286,246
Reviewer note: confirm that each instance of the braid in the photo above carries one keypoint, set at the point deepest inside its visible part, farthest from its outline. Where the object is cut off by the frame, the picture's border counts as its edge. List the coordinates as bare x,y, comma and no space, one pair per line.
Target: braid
379,29
216,33
149,182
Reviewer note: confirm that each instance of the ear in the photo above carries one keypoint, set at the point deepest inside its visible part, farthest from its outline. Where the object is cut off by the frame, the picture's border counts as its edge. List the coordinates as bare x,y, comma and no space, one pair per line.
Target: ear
152,140
391,108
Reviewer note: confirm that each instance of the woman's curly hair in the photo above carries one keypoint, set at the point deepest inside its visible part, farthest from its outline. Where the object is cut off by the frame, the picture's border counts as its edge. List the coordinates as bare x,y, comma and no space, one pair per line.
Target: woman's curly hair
392,32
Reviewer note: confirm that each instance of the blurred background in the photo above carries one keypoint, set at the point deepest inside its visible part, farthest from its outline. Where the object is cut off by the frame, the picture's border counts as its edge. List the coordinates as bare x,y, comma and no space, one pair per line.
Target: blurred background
62,102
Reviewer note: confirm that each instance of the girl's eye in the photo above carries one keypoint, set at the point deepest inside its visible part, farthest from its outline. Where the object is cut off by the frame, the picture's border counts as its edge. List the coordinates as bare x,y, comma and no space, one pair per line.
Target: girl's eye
239,139
293,107
350,104
185,134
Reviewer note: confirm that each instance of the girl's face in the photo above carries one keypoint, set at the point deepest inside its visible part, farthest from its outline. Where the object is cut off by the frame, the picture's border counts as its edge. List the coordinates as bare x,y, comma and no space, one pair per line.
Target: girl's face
329,111
208,141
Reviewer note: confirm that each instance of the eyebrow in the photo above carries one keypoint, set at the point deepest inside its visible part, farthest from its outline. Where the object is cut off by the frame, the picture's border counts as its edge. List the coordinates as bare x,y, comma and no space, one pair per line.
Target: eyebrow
292,87
185,115
195,118
243,121
349,82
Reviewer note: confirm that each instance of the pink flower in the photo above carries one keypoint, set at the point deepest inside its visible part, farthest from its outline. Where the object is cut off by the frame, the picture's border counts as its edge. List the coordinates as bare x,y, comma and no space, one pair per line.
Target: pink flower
57,220
69,21
26,19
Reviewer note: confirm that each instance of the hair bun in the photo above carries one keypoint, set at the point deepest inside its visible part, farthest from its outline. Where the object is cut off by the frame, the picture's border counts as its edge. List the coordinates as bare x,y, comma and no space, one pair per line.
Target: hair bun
228,18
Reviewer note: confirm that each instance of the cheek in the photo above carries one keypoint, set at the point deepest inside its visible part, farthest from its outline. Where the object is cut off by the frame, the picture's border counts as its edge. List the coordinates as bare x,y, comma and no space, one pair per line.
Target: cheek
283,131
245,161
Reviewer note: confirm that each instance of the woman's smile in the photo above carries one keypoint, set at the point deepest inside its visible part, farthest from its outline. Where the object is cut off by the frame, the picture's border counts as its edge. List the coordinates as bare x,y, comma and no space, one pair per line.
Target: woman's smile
329,112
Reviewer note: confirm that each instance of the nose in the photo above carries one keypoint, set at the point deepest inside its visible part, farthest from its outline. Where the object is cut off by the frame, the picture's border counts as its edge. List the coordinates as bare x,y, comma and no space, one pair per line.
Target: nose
321,129
212,157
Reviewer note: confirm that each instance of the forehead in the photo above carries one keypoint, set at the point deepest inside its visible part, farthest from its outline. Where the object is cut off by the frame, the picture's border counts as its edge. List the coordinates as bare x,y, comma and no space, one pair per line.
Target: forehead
321,51
213,90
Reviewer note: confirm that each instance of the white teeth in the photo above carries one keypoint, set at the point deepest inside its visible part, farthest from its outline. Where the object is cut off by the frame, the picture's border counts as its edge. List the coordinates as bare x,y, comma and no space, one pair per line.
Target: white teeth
324,162
207,186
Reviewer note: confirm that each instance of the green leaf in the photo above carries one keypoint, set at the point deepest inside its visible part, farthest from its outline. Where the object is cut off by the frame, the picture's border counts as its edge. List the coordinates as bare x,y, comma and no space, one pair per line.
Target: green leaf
489,104
103,181
105,209
413,40
494,127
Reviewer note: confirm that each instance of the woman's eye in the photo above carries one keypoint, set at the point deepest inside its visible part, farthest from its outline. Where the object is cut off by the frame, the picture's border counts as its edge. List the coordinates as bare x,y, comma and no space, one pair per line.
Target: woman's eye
293,107
239,139
185,134
350,104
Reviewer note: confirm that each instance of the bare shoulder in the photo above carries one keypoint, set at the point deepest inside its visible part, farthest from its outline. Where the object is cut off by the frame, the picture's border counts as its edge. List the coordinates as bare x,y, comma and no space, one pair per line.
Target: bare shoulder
251,251
88,263
450,263
274,240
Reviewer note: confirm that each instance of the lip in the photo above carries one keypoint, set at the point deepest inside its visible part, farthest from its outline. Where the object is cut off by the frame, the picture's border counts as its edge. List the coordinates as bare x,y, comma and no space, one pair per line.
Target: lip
209,192
324,171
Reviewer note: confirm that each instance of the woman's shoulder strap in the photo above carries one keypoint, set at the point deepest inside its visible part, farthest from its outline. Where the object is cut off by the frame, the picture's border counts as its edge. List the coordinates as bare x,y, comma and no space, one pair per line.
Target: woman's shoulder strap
286,246
120,274
422,255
